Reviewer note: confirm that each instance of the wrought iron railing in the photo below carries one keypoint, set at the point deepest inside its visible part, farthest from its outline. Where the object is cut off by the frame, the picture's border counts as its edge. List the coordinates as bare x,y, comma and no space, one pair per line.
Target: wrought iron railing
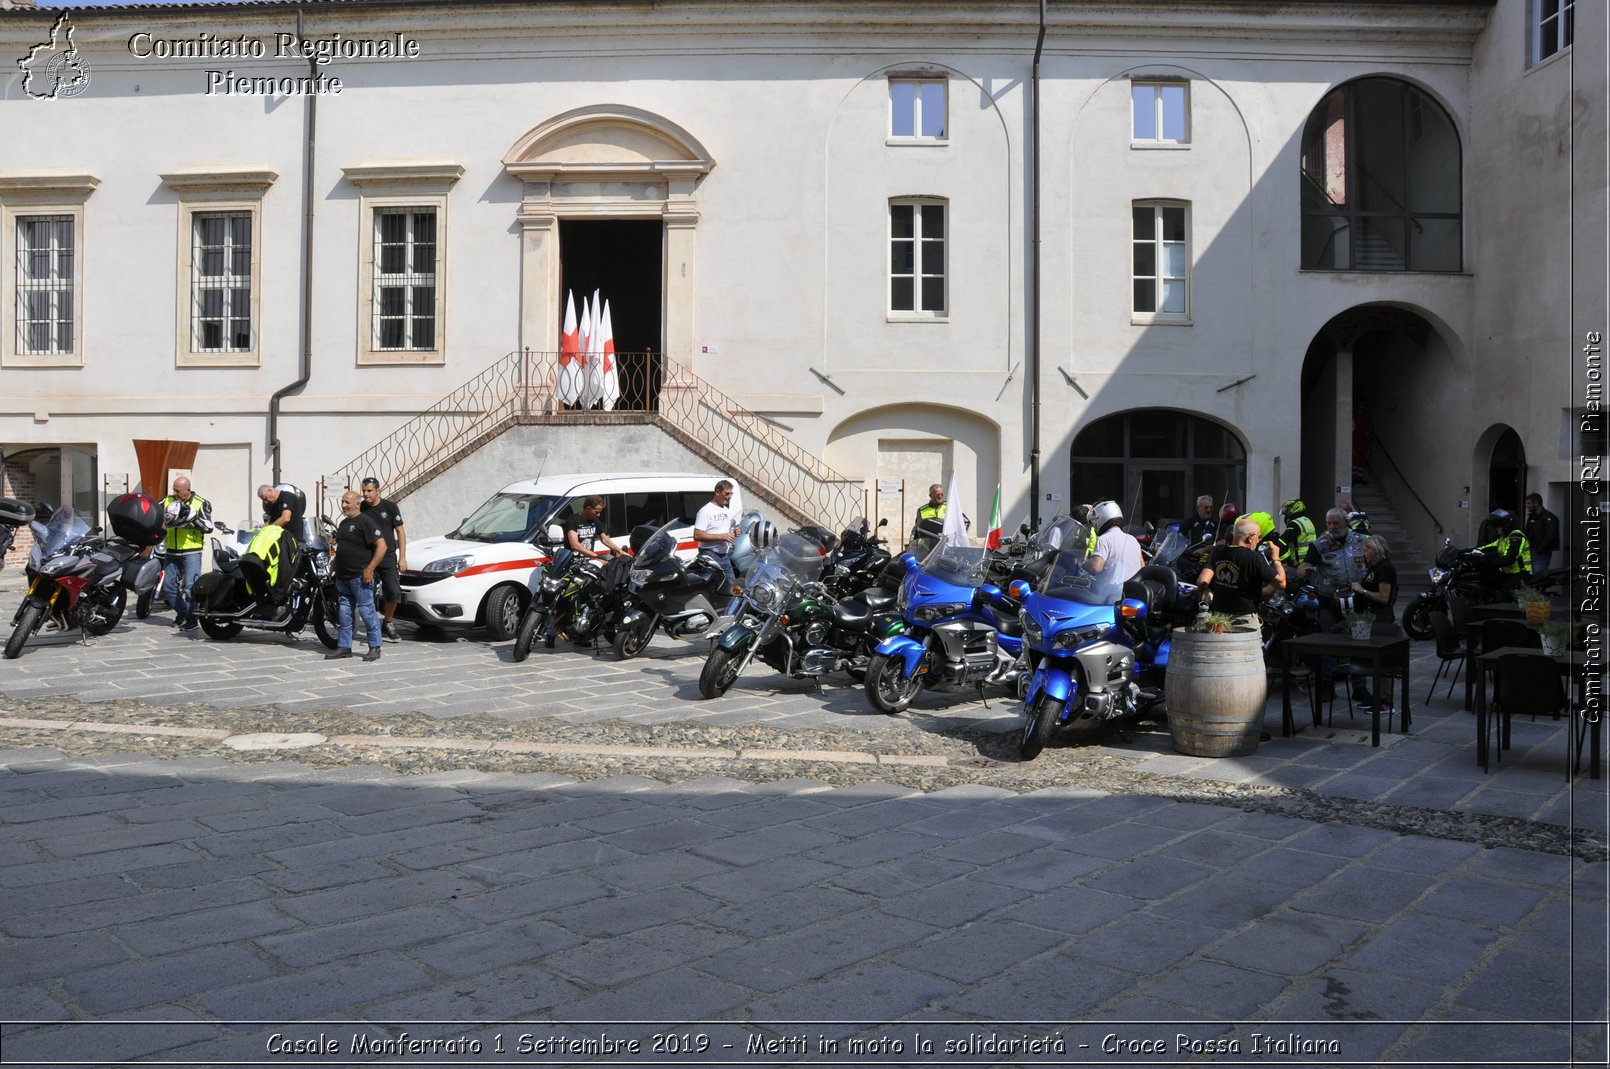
526,387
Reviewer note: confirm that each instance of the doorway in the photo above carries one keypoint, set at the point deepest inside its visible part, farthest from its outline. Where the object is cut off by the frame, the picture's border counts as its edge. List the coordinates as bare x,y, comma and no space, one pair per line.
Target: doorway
1506,473
620,260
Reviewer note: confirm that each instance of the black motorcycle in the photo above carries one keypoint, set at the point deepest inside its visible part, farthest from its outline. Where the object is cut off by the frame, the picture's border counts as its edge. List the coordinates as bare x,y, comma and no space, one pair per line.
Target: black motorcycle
1475,576
574,596
268,584
13,514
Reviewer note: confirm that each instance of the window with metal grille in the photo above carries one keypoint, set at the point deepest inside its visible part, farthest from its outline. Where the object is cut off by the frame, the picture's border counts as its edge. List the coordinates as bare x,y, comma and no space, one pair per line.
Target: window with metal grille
45,284
405,279
221,282
1161,257
917,257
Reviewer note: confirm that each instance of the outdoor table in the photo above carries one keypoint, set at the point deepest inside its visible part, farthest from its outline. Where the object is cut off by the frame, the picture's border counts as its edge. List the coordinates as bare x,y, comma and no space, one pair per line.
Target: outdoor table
1498,610
1378,650
1572,662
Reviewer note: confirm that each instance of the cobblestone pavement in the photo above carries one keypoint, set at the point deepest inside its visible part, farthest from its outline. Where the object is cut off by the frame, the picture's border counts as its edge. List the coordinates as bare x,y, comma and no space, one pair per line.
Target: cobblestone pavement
201,910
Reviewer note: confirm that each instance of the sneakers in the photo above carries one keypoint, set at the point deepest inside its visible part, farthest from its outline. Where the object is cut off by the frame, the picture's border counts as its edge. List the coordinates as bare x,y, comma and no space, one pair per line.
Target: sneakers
373,654
336,655
189,626
389,630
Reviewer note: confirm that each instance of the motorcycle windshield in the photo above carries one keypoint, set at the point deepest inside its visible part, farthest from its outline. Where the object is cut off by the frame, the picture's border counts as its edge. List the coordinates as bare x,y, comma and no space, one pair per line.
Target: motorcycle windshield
1061,531
957,565
1168,549
1069,578
659,546
791,563
62,531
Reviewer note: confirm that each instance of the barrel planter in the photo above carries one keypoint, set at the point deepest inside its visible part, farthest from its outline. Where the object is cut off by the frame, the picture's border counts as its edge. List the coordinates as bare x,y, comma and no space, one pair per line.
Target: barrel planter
1215,692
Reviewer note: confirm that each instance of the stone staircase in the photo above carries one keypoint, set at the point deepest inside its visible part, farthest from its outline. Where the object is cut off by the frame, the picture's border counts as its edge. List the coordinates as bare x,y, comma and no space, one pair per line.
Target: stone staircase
1412,561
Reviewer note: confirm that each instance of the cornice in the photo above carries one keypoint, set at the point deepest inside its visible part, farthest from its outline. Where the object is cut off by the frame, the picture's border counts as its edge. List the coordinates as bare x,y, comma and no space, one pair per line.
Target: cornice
436,175
53,185
221,179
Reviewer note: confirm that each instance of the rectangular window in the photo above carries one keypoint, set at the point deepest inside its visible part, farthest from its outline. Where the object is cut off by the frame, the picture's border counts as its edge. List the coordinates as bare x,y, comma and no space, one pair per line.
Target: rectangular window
1161,255
1553,27
1159,112
221,282
404,305
917,258
44,298
917,108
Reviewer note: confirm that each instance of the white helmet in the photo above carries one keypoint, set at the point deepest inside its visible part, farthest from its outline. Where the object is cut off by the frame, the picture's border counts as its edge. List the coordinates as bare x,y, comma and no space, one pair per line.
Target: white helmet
1104,513
763,534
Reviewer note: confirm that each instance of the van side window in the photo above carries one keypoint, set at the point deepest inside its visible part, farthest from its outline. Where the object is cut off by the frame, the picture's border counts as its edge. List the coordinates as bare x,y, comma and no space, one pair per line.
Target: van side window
689,502
639,509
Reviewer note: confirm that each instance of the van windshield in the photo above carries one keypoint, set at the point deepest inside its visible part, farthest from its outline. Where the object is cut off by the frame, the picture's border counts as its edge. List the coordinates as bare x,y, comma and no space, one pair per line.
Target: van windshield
509,518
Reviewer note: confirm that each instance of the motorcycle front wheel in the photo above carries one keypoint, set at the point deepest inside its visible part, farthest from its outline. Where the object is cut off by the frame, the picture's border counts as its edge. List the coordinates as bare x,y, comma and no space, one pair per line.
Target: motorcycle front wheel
535,621
630,641
326,628
142,606
887,688
720,671
1417,620
222,630
101,617
1037,730
27,624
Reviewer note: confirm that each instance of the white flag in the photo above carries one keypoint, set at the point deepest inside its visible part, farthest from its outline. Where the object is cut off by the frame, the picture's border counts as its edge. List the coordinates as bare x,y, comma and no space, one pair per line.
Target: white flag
568,386
612,376
955,524
593,388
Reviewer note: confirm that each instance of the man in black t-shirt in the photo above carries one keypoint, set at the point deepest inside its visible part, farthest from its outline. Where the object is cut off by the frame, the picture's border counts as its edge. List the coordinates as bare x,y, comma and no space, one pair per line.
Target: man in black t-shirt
284,505
359,548
1239,576
388,517
585,529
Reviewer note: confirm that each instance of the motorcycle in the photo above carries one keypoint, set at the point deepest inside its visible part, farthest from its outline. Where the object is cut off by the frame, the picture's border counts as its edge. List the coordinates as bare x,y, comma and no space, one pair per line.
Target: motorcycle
142,604
78,579
13,514
789,620
575,595
685,600
1470,573
856,561
266,582
954,630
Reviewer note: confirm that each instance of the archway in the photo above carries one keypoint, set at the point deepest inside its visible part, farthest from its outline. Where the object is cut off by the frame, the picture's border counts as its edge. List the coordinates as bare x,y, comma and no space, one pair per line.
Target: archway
1155,462
1506,473
909,447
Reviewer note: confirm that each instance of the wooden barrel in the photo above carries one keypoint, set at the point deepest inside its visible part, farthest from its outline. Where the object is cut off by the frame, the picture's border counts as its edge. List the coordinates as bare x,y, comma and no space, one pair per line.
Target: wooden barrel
1215,691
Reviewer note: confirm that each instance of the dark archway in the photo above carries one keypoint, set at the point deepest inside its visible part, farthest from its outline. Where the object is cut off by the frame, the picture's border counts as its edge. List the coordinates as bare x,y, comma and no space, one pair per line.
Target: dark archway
1506,473
1155,463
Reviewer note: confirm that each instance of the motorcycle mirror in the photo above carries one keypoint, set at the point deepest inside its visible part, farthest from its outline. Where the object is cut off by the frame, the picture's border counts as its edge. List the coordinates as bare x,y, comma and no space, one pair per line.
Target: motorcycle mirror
555,534
884,522
991,593
1019,589
908,561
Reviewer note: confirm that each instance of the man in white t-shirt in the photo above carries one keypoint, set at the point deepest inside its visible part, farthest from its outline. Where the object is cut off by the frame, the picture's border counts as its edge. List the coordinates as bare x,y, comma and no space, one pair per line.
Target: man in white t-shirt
715,529
1117,556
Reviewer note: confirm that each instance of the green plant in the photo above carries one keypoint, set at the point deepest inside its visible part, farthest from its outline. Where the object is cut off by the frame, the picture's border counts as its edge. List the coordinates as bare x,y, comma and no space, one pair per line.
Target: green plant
1213,623
1530,595
1557,633
1351,618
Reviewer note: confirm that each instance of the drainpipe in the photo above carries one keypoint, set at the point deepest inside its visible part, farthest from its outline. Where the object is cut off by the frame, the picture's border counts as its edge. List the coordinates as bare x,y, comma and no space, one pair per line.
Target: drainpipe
1034,299
306,367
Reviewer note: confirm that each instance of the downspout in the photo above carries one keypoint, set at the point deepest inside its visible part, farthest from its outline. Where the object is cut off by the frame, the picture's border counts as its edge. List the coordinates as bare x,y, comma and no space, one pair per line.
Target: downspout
306,368
1034,298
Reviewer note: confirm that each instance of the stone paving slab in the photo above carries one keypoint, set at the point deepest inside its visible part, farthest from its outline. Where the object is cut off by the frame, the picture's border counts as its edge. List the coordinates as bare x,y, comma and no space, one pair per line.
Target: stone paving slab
736,911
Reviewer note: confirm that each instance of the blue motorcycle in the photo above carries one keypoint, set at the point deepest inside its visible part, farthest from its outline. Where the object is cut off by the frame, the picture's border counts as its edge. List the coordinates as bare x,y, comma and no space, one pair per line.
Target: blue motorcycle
955,630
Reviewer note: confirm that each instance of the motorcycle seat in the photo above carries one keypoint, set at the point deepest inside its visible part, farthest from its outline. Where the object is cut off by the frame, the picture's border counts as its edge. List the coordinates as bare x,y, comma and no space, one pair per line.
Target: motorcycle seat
852,613
877,598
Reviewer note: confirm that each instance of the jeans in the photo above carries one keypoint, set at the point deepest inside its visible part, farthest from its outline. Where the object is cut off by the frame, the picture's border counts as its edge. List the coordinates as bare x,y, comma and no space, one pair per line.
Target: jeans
355,591
725,563
180,574
1540,561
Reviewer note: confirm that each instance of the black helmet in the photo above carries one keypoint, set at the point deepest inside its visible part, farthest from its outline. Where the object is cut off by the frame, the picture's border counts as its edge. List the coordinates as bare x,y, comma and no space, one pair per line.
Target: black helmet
1502,518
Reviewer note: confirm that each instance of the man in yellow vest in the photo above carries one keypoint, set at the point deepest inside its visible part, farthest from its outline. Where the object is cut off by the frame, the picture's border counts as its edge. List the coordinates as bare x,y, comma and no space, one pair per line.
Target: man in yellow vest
1513,551
935,508
1299,533
187,515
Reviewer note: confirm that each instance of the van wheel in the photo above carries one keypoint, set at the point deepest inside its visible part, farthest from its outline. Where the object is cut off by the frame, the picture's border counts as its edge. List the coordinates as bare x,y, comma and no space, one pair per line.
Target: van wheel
503,611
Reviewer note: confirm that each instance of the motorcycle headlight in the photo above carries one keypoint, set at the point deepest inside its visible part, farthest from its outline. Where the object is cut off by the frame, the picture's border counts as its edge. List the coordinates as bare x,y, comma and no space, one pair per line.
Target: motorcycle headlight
1032,633
549,584
447,565
927,614
1075,637
764,596
1436,575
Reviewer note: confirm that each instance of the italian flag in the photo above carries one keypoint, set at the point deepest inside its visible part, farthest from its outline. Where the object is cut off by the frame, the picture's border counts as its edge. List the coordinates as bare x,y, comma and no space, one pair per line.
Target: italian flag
994,540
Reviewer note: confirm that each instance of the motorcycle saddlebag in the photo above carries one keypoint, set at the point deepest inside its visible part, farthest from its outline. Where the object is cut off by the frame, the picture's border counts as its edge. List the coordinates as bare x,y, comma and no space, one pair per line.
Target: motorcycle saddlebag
141,576
136,518
212,592
14,513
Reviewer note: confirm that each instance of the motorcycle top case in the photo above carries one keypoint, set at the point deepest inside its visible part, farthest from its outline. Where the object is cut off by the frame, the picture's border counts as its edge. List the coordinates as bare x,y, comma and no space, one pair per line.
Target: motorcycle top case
14,513
141,576
136,518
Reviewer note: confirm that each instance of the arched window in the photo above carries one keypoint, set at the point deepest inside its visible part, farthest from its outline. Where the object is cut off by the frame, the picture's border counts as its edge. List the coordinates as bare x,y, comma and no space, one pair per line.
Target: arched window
1381,181
1156,463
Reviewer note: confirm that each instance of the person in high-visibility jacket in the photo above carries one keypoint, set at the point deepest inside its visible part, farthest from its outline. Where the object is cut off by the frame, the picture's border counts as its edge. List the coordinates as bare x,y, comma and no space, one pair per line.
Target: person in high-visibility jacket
1299,533
1510,546
935,507
187,516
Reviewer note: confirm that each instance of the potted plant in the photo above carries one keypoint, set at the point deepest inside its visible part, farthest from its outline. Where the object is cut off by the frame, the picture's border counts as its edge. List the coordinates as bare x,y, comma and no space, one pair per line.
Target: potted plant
1360,624
1535,603
1556,637
1216,688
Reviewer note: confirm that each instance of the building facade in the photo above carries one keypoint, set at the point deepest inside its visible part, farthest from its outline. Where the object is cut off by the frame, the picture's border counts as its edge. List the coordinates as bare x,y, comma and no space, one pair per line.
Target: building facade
1171,249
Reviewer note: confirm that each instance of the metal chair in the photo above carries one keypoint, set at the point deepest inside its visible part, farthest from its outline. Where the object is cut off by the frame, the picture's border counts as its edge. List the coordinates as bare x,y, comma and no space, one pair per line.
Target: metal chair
1449,651
1526,684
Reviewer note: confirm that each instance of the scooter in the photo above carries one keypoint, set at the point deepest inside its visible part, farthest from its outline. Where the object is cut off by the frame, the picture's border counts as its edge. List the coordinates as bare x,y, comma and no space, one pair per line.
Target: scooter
264,581
956,630
686,600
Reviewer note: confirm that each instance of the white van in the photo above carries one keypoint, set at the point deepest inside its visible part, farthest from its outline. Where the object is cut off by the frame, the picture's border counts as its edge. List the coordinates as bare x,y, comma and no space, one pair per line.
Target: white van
480,574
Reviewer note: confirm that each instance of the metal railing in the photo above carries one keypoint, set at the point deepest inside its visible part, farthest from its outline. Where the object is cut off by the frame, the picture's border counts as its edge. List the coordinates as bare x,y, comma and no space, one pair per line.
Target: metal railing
530,387
1380,447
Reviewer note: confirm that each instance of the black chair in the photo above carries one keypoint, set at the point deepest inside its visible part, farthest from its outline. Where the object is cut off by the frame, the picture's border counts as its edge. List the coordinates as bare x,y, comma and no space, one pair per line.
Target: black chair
1526,684
1458,611
1496,634
1448,651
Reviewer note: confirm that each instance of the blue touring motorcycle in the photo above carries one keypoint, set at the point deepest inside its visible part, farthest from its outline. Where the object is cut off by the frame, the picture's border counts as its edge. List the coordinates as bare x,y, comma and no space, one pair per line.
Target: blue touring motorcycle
955,630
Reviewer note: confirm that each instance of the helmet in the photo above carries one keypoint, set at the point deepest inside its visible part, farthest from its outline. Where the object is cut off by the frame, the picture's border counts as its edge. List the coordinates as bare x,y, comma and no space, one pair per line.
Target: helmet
1265,522
1358,522
763,534
1293,508
1229,513
1104,514
1502,518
